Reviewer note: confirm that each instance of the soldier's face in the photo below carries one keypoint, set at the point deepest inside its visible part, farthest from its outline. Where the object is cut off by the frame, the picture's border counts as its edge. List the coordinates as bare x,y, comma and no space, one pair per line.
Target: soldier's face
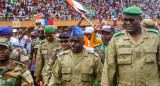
4,53
132,24
65,43
50,37
77,43
106,36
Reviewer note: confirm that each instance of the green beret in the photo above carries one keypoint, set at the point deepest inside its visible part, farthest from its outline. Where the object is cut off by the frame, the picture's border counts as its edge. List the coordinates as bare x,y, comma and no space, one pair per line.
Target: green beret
49,29
131,11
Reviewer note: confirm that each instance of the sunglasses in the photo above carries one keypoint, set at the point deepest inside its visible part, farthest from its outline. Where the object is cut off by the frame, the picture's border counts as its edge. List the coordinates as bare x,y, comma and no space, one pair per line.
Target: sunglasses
65,41
130,20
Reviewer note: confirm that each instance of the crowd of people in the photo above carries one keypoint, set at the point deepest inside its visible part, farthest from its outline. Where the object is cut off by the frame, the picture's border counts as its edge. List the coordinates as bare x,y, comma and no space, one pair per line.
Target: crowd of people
60,10
104,55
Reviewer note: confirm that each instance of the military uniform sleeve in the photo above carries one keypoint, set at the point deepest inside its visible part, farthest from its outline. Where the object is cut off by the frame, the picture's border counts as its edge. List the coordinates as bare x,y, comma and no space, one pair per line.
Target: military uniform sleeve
49,69
109,68
56,74
98,70
38,63
23,55
94,38
27,79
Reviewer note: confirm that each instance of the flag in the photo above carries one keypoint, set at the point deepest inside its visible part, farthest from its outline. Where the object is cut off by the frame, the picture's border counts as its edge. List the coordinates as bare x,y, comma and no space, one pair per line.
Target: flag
100,20
42,21
79,7
46,22
114,21
51,22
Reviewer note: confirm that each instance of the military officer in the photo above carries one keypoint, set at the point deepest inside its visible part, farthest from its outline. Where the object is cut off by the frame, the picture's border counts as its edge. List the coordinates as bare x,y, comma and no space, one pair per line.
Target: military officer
19,53
44,52
133,54
12,73
65,45
107,32
76,67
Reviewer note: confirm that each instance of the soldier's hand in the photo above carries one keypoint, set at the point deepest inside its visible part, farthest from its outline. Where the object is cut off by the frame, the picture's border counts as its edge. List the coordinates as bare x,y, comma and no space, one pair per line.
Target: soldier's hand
45,84
38,80
98,27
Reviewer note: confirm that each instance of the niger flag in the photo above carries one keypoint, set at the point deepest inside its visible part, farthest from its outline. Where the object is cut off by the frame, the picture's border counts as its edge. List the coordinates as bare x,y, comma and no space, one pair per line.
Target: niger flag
80,7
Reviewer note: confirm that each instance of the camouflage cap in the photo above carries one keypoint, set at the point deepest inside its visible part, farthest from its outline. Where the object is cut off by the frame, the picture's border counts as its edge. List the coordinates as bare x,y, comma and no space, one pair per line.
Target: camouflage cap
49,29
4,42
148,22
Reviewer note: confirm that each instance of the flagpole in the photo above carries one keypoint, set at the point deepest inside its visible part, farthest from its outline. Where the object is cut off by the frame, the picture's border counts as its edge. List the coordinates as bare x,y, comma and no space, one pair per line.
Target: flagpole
84,17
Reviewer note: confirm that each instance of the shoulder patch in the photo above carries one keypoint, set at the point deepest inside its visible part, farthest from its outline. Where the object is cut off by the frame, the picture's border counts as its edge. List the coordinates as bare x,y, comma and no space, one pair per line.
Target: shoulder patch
53,54
42,41
117,34
94,53
155,31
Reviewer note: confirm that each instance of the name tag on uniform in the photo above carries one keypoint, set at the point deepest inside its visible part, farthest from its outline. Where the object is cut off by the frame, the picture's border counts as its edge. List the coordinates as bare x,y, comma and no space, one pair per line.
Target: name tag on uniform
124,46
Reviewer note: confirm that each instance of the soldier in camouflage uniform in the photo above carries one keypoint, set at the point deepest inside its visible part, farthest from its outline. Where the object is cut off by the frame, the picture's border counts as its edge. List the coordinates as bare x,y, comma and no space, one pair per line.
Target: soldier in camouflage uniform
107,32
19,53
65,45
76,67
133,53
12,73
44,52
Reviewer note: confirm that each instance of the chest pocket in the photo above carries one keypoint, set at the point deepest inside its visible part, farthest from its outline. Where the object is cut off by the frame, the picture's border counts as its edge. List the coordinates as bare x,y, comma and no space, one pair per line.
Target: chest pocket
66,74
86,74
150,54
124,56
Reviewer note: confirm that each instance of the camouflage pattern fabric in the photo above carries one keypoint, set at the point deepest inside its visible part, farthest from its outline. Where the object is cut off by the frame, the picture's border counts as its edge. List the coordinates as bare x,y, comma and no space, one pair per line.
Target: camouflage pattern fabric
19,54
15,75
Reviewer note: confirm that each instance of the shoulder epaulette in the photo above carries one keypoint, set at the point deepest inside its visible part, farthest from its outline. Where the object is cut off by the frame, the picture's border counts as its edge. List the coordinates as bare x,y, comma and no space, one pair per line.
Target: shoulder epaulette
94,53
62,53
117,34
42,41
155,31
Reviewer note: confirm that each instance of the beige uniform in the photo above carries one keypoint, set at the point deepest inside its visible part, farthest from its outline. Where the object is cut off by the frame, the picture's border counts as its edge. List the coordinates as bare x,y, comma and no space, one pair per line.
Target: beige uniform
51,63
76,69
45,50
136,63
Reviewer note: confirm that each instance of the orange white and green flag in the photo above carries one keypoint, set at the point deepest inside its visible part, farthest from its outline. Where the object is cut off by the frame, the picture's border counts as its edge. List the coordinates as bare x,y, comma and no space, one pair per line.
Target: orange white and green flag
79,7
